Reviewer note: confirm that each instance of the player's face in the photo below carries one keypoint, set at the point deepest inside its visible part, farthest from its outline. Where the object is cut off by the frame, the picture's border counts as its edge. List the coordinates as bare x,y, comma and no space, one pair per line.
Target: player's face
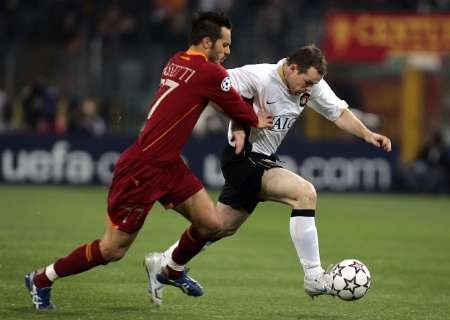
299,83
220,50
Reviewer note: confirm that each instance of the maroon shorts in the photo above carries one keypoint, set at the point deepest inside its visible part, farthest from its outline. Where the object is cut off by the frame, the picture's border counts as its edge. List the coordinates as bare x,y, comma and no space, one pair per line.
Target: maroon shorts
137,184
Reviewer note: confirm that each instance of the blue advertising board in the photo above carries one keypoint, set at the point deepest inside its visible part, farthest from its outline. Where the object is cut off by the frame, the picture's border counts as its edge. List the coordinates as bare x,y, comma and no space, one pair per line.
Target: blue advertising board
34,159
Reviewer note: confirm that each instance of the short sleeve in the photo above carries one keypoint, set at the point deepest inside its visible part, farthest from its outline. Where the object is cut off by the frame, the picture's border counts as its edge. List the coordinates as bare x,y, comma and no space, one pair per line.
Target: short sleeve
244,82
324,101
216,86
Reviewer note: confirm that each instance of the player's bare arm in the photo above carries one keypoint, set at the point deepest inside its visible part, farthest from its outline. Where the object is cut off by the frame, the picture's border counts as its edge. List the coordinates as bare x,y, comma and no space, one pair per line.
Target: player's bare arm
350,123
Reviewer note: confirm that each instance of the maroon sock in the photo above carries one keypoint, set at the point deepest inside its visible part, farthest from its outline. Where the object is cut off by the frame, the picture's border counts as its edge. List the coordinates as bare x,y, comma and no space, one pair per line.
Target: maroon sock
41,280
189,245
81,259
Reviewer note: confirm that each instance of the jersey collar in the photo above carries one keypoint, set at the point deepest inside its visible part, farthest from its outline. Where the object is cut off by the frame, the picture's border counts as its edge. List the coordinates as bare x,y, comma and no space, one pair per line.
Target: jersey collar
193,52
280,73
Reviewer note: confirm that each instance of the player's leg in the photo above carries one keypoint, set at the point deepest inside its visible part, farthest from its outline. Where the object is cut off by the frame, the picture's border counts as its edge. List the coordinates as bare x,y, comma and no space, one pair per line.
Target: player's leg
188,197
281,185
230,198
115,243
205,225
128,206
242,184
170,267
231,220
111,247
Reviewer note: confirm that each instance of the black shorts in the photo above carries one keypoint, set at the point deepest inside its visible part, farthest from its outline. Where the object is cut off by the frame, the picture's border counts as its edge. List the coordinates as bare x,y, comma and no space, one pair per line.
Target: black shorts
243,174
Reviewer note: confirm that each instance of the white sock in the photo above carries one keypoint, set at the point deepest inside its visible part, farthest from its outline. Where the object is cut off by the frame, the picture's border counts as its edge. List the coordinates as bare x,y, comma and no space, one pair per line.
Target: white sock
173,265
167,255
51,273
304,236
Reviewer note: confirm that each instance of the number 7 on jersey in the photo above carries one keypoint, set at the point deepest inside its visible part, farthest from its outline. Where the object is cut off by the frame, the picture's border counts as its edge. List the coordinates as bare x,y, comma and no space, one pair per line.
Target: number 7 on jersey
171,85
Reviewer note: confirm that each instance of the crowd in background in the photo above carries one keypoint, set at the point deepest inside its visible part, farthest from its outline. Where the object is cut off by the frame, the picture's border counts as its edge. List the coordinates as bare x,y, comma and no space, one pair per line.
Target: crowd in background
90,67
57,53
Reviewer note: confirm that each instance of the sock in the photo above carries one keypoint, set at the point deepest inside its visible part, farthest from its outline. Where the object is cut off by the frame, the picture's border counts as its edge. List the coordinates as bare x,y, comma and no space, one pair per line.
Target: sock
302,227
45,278
189,245
167,255
81,259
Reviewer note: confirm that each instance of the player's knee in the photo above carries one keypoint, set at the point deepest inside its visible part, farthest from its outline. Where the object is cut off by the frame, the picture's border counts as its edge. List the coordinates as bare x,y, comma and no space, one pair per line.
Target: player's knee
118,254
113,253
310,195
306,197
226,232
210,230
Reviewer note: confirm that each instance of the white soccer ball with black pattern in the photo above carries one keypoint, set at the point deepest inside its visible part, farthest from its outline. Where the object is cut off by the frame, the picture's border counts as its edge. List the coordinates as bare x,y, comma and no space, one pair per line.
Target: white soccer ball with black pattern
351,279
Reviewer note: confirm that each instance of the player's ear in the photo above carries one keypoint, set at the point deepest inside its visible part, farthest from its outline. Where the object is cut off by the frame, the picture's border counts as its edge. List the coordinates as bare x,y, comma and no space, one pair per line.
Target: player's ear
293,67
206,43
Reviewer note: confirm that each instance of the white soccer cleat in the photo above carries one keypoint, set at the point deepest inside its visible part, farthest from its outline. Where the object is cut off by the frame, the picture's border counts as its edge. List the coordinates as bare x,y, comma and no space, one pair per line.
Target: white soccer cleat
319,286
153,265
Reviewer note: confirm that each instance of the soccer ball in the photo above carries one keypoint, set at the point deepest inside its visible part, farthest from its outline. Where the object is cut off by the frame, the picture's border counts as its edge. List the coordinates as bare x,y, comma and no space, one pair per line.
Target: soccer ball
351,279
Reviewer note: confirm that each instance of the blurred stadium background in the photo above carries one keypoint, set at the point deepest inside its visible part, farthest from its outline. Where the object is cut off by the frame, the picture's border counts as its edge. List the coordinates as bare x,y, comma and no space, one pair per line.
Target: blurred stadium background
77,69
76,78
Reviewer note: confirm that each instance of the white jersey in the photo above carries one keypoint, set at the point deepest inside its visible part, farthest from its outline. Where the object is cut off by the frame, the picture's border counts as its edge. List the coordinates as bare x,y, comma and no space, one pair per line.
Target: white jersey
263,84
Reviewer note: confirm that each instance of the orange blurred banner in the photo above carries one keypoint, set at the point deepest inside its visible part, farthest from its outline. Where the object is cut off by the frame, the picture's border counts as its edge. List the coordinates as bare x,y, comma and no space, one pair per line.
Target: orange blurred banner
370,37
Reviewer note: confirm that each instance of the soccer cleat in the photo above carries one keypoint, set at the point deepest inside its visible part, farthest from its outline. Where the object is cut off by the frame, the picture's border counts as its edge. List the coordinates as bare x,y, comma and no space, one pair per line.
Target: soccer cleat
152,264
319,286
39,296
188,285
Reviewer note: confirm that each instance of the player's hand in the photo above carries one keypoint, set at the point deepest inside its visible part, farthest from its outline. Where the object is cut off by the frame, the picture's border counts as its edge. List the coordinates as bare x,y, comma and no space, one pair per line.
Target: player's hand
265,118
379,141
238,137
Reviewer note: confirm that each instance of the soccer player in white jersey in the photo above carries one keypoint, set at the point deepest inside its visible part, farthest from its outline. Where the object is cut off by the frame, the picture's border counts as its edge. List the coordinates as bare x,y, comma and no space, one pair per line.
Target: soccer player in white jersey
249,163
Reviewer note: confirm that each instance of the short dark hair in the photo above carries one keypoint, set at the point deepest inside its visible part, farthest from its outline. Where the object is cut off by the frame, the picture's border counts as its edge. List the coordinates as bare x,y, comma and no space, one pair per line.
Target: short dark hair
309,56
208,24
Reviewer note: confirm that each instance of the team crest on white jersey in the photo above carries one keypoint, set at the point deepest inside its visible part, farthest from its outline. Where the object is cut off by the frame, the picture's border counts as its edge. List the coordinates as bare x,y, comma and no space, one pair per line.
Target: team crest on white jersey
304,99
226,84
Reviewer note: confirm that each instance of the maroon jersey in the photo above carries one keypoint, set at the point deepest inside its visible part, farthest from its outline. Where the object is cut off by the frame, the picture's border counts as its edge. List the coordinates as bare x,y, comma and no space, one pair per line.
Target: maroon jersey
188,82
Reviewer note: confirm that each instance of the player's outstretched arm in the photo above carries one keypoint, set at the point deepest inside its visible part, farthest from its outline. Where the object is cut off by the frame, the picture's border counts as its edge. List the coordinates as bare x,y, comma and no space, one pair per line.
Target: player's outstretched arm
350,123
379,140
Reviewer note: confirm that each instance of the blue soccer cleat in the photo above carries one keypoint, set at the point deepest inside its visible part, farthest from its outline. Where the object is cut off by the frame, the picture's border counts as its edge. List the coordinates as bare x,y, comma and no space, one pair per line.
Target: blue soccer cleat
188,285
39,296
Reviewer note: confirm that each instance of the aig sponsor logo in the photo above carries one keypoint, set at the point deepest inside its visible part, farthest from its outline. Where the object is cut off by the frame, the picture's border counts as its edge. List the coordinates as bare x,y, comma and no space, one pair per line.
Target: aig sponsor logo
282,123
57,165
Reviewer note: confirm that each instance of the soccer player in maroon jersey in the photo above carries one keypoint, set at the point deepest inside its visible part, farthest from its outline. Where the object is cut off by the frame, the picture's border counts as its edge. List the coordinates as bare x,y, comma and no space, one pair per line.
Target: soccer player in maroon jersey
152,170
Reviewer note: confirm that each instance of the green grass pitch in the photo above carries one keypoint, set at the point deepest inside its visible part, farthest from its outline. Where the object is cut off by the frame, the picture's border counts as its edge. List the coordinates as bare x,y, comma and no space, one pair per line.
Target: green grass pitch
404,240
